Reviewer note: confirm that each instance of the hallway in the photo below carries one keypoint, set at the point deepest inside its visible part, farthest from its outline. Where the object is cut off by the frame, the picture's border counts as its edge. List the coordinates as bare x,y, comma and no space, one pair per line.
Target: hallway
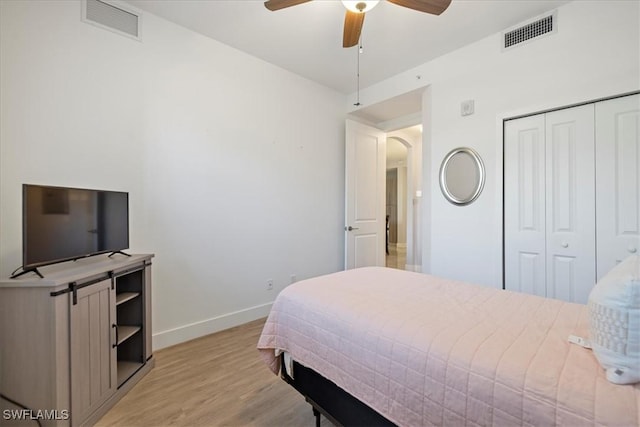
397,257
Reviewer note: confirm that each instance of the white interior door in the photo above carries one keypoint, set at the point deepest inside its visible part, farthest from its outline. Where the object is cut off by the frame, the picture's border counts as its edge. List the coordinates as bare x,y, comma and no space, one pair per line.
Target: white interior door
570,198
365,171
618,180
524,205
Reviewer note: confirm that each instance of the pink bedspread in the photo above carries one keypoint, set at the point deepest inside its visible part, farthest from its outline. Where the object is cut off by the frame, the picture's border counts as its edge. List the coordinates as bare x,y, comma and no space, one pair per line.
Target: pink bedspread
427,351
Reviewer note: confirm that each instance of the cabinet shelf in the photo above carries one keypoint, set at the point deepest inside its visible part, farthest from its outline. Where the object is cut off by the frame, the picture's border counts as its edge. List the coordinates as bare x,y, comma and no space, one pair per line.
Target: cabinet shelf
126,332
126,296
132,302
126,369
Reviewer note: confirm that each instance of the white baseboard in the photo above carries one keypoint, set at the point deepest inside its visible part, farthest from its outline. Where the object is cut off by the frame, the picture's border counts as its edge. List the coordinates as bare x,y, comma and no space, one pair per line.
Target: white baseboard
413,267
209,326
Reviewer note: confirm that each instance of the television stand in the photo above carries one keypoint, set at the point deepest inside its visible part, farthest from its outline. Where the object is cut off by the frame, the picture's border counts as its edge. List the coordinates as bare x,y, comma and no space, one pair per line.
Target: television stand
28,270
118,252
75,342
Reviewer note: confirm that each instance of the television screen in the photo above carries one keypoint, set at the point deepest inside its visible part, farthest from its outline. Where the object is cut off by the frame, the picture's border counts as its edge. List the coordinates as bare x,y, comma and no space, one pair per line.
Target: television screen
60,224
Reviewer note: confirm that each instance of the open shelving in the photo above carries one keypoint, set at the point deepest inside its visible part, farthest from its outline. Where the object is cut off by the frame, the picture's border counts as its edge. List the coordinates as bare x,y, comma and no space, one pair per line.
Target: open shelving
129,323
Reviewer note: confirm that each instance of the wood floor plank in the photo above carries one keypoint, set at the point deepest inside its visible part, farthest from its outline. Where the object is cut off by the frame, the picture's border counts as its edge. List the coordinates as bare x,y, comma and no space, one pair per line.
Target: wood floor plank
216,380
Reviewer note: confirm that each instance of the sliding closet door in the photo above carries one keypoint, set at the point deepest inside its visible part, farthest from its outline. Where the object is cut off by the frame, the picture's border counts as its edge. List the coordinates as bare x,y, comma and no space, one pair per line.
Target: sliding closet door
618,180
524,205
570,203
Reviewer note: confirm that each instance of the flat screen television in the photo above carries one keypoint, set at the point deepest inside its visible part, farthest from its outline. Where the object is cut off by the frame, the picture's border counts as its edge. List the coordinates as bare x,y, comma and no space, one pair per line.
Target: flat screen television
62,224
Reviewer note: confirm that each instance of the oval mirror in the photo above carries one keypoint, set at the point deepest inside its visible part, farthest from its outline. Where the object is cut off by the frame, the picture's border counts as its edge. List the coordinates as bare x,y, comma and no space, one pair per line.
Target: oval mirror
462,176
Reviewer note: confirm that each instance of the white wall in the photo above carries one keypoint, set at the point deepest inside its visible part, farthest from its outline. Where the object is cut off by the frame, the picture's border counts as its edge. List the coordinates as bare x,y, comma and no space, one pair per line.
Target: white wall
235,167
595,53
402,207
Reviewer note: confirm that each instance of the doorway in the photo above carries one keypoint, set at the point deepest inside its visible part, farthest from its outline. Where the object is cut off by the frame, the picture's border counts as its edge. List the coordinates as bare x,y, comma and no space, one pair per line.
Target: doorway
396,204
399,118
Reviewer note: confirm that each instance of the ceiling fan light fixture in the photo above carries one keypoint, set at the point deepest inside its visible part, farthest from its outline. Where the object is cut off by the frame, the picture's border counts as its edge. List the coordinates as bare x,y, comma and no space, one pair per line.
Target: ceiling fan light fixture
360,6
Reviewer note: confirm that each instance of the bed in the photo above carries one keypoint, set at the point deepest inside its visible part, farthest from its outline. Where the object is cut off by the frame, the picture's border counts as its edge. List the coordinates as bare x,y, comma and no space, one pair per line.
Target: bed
414,350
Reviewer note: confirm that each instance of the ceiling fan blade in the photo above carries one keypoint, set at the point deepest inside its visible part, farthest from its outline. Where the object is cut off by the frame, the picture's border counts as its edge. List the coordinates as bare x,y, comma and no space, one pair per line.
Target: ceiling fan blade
281,4
352,28
434,7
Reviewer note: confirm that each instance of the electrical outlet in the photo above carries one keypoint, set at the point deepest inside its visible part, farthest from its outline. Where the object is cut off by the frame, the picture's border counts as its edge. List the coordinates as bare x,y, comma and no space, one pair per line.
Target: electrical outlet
269,284
294,279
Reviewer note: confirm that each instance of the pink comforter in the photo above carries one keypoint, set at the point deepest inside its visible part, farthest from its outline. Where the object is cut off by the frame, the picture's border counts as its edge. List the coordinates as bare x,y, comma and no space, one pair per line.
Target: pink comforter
427,351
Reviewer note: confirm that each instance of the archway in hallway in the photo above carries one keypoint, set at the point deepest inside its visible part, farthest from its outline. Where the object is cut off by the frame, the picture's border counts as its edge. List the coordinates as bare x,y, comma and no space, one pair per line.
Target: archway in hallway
400,189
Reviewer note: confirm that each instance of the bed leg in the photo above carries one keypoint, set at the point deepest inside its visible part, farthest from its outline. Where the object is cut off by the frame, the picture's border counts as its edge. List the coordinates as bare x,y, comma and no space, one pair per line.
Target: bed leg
316,414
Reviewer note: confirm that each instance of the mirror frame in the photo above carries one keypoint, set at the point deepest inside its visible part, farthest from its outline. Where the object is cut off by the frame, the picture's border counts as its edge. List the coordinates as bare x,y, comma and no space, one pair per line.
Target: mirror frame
443,174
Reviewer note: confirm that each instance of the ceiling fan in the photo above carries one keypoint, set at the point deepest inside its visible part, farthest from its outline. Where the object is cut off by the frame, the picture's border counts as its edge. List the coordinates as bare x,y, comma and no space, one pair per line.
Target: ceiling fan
354,17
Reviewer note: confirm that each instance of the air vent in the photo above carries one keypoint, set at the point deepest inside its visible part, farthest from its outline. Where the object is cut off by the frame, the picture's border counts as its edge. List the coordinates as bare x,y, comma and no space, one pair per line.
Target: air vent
112,16
533,30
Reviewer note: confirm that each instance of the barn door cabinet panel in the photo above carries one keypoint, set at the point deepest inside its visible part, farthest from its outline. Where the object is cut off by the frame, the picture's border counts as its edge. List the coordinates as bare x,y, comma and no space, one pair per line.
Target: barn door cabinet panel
92,355
73,343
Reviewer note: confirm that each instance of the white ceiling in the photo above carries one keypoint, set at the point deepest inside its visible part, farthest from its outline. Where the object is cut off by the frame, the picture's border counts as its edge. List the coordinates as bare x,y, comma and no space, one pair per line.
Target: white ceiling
307,39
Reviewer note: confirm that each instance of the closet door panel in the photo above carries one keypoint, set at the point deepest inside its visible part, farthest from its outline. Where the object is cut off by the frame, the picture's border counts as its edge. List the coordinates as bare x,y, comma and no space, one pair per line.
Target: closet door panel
618,180
524,204
570,198
564,285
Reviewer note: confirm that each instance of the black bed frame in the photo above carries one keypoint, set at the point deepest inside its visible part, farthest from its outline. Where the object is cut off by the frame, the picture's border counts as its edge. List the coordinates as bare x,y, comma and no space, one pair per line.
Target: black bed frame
326,398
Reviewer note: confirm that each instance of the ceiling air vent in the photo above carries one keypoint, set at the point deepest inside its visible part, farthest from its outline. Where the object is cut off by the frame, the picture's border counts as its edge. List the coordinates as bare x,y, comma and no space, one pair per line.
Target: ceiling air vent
532,30
112,16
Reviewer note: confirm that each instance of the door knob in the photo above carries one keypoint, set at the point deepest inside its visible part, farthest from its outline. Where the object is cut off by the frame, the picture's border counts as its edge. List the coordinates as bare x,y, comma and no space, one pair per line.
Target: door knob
565,245
632,250
350,228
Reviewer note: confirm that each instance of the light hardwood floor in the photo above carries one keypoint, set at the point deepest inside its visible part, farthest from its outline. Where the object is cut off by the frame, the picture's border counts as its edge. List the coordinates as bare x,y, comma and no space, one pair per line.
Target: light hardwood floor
216,380
397,257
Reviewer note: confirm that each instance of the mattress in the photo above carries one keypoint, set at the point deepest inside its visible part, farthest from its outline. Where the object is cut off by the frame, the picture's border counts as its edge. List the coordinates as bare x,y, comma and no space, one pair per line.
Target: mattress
423,350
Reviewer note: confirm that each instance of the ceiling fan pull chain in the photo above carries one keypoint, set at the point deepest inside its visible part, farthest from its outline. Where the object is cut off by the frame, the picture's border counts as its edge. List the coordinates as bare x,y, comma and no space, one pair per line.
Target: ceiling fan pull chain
359,51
